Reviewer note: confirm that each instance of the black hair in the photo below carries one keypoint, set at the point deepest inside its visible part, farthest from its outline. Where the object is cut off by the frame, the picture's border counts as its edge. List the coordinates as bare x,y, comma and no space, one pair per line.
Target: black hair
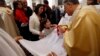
71,1
2,3
15,5
46,2
37,8
94,2
42,24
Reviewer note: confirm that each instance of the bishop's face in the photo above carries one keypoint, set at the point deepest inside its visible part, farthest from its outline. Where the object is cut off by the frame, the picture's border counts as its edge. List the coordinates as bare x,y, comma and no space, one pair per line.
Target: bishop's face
68,9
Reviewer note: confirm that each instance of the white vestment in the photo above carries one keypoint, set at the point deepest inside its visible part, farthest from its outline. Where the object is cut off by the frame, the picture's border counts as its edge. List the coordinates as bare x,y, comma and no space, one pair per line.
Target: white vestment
8,22
51,43
8,46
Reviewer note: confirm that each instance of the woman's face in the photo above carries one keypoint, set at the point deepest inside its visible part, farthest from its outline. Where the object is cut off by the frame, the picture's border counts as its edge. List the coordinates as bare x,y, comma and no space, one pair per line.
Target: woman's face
48,24
41,9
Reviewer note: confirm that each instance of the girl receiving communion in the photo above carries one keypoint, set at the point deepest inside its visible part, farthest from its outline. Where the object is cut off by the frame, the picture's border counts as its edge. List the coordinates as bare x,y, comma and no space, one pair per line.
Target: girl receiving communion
46,27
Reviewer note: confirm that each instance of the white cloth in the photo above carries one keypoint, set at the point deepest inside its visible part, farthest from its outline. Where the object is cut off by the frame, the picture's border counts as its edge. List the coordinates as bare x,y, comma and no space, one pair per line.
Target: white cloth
65,20
46,32
83,2
51,43
98,8
34,24
8,46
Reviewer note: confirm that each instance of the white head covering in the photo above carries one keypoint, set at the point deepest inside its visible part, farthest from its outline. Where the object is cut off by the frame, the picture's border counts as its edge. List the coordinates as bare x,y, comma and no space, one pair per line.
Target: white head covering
8,46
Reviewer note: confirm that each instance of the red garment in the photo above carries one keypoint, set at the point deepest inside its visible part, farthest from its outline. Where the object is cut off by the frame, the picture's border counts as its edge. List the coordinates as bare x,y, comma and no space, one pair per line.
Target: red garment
20,16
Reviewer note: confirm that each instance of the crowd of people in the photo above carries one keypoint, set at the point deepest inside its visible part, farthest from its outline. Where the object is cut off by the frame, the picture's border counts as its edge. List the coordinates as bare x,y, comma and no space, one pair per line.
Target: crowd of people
74,34
28,21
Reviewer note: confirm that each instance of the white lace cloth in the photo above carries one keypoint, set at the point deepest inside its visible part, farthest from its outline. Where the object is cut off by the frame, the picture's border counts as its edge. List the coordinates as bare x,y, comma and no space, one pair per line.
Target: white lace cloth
51,43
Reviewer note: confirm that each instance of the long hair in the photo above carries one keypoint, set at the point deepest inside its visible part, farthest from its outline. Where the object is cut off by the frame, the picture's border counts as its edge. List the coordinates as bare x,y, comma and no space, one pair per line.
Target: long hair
2,3
42,24
37,8
94,2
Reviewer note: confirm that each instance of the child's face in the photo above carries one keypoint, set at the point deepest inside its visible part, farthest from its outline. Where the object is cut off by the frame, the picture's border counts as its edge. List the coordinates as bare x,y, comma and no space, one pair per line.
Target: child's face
48,24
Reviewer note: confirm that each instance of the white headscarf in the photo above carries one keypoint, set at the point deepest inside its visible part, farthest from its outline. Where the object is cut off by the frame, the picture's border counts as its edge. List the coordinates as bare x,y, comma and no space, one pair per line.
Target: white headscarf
8,46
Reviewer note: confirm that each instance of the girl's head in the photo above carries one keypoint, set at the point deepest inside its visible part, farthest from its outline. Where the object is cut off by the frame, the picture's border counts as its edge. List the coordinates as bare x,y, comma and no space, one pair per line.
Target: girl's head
39,9
45,23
